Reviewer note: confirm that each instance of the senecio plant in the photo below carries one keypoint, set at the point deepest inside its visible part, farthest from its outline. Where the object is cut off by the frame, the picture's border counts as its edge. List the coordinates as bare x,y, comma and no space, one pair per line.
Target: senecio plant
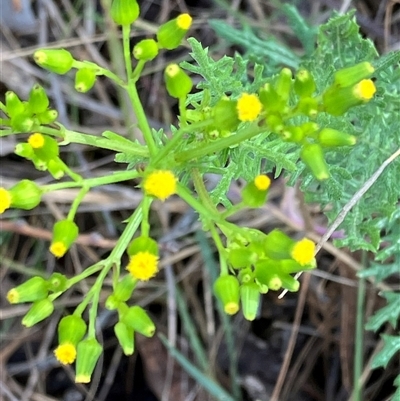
284,107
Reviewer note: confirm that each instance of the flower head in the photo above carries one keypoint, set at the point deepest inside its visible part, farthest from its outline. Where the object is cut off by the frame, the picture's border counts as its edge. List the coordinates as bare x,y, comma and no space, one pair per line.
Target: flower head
303,251
249,107
65,353
58,249
5,200
143,265
262,182
184,21
36,140
160,183
365,89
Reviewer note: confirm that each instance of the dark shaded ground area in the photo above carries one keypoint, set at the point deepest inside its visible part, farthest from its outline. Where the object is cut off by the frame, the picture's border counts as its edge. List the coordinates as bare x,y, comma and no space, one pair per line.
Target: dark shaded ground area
325,307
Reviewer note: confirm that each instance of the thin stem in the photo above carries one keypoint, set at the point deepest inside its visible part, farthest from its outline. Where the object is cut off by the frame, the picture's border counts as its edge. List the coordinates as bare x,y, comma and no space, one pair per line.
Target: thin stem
145,227
221,250
182,110
93,182
99,71
138,70
77,201
359,336
202,190
76,177
3,107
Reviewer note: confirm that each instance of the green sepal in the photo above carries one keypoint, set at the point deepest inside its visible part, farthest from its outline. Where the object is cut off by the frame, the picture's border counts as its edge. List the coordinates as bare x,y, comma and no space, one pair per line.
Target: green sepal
88,353
39,311
125,336
146,50
124,12
304,84
38,101
226,288
34,289
143,244
277,245
329,137
25,195
250,300
170,34
177,82
85,79
58,61
312,156
349,76
124,288
71,329
57,282
137,319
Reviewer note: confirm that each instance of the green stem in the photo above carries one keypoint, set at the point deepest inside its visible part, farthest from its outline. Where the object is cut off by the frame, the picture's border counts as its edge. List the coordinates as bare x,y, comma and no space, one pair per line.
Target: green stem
235,208
145,227
219,144
359,335
77,201
202,190
93,182
99,71
124,146
76,177
221,250
3,107
182,110
138,70
6,122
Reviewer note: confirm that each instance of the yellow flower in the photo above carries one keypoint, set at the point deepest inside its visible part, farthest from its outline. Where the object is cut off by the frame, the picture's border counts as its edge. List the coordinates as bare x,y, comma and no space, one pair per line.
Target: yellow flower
143,265
160,183
65,353
36,140
303,251
184,21
364,90
262,182
5,199
248,107
58,249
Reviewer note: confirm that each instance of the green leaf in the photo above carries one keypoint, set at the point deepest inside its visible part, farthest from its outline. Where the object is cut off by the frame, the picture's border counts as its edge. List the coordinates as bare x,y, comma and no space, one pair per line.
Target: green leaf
389,313
391,347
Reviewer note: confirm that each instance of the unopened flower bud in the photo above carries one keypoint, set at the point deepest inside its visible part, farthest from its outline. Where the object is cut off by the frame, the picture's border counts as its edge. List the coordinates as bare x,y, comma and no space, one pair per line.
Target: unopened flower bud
124,287
88,353
57,282
313,157
45,147
124,12
58,61
65,232
146,50
266,273
14,105
283,84
48,116
177,82
277,245
254,194
39,311
125,337
170,34
34,289
250,299
304,84
225,116
38,101
25,195
330,137
85,79
226,288
138,319
351,75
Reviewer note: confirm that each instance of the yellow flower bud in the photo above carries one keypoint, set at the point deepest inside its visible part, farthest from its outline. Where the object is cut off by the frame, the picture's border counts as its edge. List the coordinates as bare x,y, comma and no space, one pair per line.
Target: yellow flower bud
250,299
5,200
160,184
25,195
85,79
34,289
351,75
226,288
177,82
170,34
65,232
58,61
88,353
303,252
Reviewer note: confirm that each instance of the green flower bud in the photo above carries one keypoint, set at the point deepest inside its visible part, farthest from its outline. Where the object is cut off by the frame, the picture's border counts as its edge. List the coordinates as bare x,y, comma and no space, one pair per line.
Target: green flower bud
44,146
226,288
304,84
71,329
246,275
125,337
271,100
289,283
177,82
22,123
266,273
309,128
57,282
329,137
351,75
39,311
313,157
124,12
170,34
48,116
277,245
88,353
125,286
56,168
24,150
142,244
293,134
307,106
85,79
262,287
25,195
65,232
14,105
250,297
112,302
283,84
291,266
146,50
254,194
275,123
58,61
241,257
225,116
137,319
33,289
38,101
